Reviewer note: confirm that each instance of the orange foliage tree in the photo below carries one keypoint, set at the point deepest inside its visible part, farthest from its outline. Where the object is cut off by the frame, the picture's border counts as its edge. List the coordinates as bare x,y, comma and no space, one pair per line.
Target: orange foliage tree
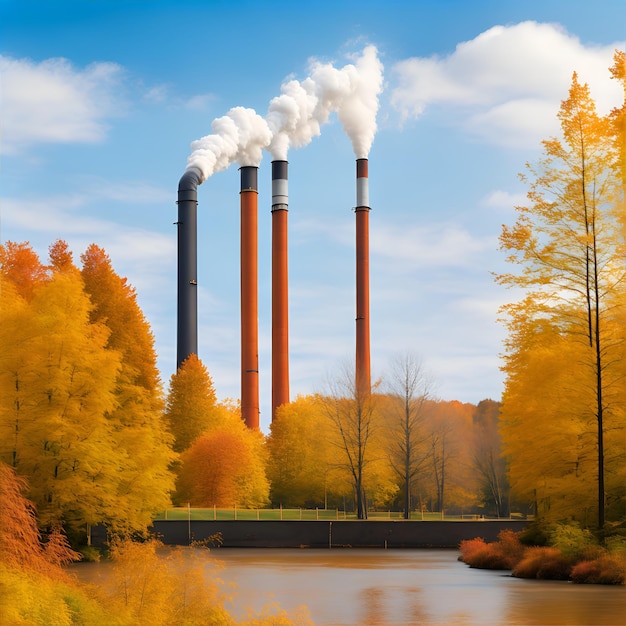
20,539
224,468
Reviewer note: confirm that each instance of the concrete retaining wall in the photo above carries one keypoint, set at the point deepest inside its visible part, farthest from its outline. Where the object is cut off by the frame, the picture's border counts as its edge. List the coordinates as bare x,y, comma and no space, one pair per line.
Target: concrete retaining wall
335,534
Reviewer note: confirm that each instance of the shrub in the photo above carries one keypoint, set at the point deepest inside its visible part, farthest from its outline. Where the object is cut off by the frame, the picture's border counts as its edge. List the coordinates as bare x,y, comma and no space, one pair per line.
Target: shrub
511,547
608,569
616,545
573,541
544,563
501,554
537,533
470,547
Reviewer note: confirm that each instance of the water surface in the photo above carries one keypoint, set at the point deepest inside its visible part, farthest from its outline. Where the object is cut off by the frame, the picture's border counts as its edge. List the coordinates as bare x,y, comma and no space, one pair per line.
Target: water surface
343,587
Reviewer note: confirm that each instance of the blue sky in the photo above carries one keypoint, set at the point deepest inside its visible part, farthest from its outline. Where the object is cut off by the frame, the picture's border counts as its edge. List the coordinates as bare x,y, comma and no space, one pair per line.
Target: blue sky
100,102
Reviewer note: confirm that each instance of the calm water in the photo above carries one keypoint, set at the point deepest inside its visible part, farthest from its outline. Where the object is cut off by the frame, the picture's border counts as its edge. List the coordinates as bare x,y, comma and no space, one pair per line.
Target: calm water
409,587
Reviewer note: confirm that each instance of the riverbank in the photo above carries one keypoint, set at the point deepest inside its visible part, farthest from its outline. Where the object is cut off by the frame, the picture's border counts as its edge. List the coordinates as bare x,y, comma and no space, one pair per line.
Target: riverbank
331,534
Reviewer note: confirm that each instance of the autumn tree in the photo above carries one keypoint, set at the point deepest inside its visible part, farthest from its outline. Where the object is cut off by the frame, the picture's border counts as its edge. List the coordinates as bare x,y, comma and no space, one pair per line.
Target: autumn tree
299,454
57,380
80,411
448,481
618,128
224,467
487,457
22,268
146,482
21,543
545,428
568,247
192,407
406,439
355,433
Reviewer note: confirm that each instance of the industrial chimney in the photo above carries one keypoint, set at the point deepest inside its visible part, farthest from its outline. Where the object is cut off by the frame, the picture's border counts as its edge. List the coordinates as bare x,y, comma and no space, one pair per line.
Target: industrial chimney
249,297
187,300
362,209
280,287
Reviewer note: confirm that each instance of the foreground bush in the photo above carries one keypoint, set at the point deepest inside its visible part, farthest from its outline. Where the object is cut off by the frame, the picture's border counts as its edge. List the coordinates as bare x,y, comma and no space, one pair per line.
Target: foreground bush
608,569
146,587
544,563
503,554
573,555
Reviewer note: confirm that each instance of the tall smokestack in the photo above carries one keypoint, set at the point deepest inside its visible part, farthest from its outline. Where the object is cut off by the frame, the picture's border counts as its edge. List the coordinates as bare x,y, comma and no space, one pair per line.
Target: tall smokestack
280,288
249,297
362,209
187,302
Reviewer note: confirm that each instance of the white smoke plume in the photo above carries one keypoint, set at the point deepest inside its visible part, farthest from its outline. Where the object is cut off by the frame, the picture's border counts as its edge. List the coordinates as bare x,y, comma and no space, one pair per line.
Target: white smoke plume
296,116
293,117
358,111
240,136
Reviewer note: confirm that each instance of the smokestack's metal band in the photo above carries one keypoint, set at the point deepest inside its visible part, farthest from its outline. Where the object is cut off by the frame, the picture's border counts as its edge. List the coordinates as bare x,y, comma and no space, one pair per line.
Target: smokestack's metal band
280,186
362,184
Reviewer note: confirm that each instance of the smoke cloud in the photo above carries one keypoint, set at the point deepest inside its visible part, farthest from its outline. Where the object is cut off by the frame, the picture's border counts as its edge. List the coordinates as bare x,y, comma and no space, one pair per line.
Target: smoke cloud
359,108
240,136
296,116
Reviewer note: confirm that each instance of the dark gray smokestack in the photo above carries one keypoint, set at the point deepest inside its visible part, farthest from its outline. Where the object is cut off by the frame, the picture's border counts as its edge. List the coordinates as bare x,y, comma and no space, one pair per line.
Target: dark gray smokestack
187,312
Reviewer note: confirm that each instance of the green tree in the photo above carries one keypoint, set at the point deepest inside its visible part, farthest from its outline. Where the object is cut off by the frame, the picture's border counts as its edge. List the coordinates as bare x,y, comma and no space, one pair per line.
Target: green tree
569,248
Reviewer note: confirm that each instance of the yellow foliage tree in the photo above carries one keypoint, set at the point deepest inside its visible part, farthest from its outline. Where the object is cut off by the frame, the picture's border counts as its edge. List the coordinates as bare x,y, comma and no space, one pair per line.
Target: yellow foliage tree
146,482
570,250
80,408
299,455
57,380
192,407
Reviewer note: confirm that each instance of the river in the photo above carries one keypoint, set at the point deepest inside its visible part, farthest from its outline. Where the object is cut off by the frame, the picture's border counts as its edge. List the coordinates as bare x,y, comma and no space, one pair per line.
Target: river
343,587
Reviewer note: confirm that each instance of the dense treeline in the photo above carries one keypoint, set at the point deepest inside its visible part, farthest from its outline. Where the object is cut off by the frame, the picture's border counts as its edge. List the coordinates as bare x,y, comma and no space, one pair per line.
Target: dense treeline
84,418
455,456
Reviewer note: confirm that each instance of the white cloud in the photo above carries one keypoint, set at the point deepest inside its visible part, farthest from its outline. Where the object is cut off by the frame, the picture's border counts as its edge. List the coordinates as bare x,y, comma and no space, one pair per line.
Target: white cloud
147,252
435,244
136,192
200,102
54,102
438,244
506,84
504,200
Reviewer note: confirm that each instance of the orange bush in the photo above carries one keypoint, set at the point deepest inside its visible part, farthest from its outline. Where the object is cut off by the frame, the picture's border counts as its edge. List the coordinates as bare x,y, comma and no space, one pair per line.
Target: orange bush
470,547
544,563
502,554
607,569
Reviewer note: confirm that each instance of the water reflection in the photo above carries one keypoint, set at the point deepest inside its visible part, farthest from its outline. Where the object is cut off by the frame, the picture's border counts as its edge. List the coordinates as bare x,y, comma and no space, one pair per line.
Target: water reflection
390,587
